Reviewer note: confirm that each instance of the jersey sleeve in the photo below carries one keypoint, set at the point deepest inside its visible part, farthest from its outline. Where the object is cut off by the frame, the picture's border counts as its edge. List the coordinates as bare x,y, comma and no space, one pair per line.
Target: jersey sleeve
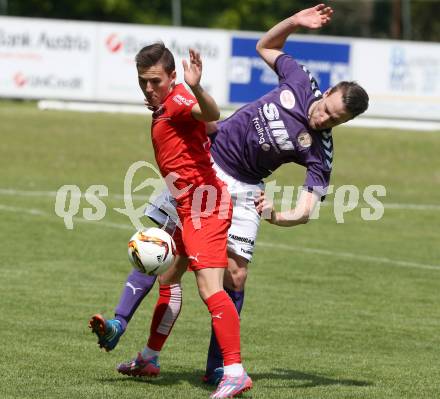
289,71
317,180
180,107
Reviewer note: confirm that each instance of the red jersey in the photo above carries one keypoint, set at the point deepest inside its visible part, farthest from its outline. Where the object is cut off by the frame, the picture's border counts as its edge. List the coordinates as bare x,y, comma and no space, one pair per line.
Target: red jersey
180,143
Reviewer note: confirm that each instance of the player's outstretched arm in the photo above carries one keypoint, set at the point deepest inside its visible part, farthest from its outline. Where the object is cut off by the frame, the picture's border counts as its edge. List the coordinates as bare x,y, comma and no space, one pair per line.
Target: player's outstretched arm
299,215
270,45
206,109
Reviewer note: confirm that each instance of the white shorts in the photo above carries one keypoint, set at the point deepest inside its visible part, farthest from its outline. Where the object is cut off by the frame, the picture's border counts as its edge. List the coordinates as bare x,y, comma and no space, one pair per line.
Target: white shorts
245,219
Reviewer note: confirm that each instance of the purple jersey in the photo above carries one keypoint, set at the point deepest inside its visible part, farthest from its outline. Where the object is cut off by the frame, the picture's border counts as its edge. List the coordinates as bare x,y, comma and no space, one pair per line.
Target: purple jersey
274,130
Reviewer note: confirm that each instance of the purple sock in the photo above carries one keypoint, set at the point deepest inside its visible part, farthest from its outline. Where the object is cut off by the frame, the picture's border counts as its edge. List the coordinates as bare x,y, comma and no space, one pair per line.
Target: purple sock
137,286
215,358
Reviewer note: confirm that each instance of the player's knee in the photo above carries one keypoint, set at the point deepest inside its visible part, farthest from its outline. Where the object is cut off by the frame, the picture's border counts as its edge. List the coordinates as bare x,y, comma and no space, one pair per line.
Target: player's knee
238,280
174,274
236,274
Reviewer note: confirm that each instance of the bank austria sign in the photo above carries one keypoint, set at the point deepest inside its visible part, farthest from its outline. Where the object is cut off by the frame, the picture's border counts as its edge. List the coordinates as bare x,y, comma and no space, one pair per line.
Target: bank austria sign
52,59
46,59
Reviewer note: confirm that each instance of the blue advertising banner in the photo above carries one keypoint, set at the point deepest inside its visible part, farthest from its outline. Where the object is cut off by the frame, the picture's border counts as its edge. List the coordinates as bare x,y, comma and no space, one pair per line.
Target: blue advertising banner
250,77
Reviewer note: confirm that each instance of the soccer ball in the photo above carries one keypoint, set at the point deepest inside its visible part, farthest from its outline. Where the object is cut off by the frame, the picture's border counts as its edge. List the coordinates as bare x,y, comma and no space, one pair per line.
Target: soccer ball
151,251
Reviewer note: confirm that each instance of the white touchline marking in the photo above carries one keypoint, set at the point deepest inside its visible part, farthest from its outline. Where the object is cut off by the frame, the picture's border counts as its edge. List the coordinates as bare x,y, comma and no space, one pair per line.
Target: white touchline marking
284,247
30,211
350,255
52,194
37,212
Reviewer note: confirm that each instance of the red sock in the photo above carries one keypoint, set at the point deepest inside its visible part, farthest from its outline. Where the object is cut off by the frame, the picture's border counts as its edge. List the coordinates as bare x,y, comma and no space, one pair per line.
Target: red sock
165,314
226,325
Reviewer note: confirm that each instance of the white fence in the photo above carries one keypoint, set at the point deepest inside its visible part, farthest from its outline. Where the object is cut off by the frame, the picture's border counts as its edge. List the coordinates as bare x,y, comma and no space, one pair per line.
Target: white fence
69,60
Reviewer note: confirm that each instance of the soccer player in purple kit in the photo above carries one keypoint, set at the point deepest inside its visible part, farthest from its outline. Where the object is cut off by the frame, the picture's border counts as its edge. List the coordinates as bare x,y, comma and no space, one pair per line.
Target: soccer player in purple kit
291,123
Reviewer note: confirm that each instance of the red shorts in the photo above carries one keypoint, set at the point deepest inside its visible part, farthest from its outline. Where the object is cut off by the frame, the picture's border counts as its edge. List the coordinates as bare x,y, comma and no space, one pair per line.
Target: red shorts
203,238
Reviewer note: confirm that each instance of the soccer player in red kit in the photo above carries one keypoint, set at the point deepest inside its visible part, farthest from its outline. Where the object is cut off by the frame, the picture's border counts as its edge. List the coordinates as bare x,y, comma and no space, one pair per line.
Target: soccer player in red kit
180,146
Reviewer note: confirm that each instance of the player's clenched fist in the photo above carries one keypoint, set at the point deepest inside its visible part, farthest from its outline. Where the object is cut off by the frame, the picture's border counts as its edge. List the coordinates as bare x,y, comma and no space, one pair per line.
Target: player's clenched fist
265,208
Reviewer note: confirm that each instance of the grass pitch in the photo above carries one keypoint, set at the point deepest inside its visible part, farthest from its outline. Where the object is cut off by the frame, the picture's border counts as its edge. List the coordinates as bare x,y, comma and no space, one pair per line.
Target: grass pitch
331,311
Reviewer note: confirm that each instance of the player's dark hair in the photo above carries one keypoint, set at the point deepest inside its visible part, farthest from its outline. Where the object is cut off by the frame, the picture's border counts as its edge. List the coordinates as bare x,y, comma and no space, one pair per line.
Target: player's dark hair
354,97
154,54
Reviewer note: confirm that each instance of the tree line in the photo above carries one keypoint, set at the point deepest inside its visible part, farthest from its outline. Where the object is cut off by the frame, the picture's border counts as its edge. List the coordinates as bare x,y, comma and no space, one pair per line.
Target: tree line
392,19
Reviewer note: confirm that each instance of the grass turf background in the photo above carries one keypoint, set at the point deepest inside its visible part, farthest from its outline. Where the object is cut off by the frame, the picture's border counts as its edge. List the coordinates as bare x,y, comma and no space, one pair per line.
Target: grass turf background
351,322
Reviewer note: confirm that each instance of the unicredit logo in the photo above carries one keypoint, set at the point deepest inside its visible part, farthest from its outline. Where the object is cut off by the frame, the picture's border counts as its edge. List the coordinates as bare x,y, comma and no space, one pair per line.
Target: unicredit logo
49,81
113,43
19,79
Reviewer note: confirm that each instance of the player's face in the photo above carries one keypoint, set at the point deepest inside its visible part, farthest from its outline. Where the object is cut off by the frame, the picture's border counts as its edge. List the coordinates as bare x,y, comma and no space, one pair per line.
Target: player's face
155,83
328,112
